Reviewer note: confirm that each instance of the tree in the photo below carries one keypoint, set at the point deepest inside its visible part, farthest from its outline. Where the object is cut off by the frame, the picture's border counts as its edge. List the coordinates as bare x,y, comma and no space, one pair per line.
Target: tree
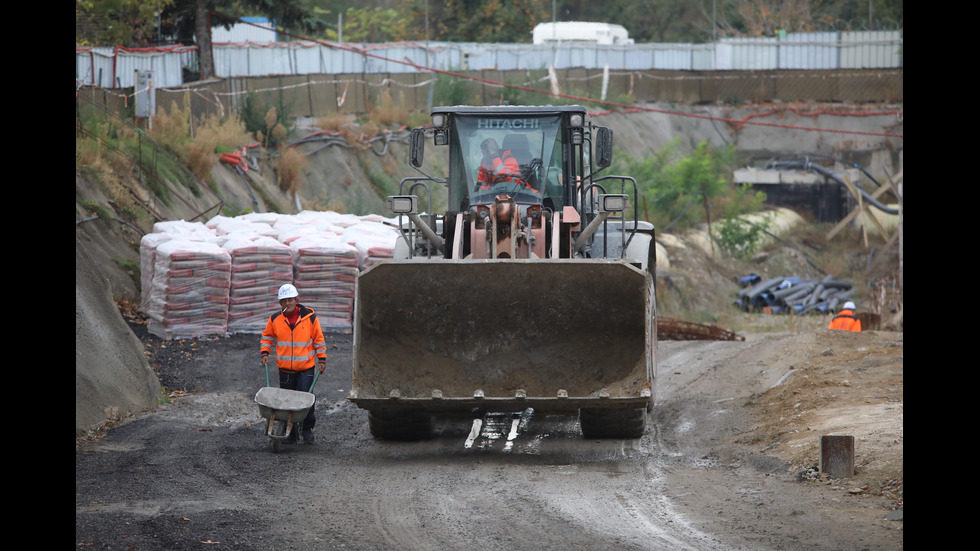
767,17
202,34
475,20
371,25
675,189
128,23
193,19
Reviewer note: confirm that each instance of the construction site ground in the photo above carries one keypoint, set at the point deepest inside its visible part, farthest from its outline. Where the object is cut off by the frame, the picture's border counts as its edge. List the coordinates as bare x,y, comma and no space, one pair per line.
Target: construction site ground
729,459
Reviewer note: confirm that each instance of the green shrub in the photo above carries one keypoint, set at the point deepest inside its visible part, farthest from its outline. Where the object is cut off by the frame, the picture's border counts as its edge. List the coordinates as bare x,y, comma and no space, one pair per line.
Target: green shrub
740,237
267,123
673,188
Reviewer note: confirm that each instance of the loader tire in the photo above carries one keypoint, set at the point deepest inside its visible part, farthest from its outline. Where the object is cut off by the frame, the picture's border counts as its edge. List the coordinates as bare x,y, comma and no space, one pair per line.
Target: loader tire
400,425
613,423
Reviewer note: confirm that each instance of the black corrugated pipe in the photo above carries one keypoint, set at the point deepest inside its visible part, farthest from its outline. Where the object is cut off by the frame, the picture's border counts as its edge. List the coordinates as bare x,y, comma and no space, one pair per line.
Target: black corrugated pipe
807,165
783,293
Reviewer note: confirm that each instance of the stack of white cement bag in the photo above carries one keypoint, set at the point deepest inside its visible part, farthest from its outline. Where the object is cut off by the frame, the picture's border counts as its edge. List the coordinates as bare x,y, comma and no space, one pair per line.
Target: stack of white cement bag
221,277
259,266
326,272
326,265
185,275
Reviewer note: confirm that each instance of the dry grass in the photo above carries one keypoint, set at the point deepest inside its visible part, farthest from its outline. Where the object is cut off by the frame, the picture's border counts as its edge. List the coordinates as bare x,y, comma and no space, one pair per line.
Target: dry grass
113,172
388,112
172,129
229,132
334,123
291,165
196,142
201,157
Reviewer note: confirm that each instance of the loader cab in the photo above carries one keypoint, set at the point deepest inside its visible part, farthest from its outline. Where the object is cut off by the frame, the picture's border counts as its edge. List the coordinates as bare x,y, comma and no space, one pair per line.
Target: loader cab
538,154
520,183
520,166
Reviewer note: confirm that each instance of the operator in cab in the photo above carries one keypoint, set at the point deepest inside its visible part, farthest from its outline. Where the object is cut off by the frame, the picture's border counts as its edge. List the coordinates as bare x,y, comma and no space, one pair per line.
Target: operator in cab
496,166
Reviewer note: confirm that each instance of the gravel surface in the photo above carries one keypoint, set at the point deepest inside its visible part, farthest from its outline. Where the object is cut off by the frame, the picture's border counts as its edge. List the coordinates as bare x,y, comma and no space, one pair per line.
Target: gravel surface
709,474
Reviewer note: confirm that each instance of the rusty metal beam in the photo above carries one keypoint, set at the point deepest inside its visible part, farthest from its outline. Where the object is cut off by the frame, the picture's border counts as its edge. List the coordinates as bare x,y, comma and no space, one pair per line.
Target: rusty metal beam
670,329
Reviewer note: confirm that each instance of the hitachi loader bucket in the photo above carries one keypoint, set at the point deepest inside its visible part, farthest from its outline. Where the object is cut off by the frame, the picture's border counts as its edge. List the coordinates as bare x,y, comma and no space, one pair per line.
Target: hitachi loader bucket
453,337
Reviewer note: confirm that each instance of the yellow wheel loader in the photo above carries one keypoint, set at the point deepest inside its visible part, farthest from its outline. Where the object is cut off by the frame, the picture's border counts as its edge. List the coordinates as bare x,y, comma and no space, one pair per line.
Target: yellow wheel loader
534,290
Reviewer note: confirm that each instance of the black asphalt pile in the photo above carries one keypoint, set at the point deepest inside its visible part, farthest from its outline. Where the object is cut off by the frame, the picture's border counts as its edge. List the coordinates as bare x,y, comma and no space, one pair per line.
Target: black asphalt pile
792,295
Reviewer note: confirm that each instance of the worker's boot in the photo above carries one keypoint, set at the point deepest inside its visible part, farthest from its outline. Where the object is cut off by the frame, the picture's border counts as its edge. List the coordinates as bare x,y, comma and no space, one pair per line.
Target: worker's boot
308,435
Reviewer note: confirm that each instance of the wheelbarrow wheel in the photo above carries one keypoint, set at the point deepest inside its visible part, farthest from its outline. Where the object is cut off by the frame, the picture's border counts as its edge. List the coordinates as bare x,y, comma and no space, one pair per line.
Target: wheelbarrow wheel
278,435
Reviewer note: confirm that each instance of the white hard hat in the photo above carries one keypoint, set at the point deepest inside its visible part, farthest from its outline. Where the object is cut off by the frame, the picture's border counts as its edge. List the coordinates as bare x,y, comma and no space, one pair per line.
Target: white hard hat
288,291
847,305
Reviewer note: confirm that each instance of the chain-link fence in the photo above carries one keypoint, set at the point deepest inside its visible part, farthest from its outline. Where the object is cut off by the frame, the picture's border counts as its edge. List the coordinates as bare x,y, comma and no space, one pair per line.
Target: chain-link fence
357,94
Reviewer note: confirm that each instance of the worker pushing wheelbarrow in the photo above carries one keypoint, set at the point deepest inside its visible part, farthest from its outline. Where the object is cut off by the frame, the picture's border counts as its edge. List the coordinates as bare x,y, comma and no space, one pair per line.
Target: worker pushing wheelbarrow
285,410
301,355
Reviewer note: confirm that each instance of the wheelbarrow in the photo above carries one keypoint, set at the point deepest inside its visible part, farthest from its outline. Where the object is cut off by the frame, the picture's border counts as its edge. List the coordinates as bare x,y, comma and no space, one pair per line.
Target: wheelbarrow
283,409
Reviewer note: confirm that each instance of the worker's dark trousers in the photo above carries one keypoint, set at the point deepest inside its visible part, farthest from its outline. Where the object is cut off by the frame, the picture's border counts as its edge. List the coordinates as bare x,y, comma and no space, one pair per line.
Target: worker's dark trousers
300,380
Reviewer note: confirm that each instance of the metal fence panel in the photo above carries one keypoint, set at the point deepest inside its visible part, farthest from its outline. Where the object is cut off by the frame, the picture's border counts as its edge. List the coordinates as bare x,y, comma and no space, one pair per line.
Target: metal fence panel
166,68
347,62
808,51
259,30
230,61
871,49
270,61
391,58
95,66
703,57
307,59
115,68
672,57
448,56
793,51
747,54
614,58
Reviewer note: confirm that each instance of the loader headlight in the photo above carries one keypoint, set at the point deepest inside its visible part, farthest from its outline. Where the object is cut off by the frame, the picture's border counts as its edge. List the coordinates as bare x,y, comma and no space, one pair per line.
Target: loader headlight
440,137
403,204
575,122
613,202
438,120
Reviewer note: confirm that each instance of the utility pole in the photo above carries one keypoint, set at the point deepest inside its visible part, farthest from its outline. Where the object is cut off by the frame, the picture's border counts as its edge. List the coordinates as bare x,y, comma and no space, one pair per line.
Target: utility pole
714,20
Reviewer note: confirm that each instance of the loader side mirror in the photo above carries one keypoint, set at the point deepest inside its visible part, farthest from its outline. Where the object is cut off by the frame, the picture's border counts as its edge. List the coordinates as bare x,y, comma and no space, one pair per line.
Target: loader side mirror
417,147
603,147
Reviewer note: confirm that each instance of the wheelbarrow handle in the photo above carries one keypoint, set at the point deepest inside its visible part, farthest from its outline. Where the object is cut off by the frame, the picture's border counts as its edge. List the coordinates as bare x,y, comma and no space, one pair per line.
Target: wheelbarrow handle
316,375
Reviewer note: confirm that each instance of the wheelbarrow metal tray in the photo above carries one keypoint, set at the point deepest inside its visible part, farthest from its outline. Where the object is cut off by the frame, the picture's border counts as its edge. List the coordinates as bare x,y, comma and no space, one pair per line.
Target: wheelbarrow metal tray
280,402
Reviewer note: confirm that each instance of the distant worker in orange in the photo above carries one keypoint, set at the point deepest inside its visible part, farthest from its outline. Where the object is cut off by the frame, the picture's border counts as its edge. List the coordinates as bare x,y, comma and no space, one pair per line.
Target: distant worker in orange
497,166
846,319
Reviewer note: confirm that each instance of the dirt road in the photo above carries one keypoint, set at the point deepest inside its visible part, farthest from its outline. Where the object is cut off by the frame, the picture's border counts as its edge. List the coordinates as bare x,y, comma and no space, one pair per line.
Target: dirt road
199,471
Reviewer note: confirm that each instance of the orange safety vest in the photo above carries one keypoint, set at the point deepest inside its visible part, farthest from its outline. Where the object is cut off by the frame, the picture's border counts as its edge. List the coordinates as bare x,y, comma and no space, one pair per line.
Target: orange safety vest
845,320
297,346
502,169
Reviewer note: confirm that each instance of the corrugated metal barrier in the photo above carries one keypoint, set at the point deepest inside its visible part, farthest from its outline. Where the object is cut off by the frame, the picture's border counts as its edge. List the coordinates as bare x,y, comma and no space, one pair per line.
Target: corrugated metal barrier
114,67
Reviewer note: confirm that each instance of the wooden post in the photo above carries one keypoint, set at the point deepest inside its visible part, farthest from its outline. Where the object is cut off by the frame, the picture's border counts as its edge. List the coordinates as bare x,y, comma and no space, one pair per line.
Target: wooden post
837,456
